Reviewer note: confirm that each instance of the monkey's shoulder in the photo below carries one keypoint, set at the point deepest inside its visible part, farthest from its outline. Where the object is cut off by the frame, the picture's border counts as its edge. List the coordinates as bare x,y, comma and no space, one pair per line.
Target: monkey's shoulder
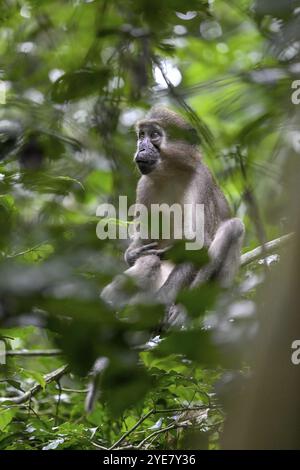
209,192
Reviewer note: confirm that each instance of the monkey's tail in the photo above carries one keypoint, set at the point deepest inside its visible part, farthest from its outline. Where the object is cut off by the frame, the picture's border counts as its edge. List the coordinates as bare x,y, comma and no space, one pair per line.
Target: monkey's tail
94,386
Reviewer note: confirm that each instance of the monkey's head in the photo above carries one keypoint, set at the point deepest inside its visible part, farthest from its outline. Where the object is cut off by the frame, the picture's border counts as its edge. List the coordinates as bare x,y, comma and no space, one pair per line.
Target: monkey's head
164,137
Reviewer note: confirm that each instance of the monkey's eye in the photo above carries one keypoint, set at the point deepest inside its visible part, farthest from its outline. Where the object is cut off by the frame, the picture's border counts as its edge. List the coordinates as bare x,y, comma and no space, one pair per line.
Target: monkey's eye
141,135
155,135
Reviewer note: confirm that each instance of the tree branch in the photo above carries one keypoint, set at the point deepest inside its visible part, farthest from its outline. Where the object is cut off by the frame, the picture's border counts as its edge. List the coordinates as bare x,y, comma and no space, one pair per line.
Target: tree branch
153,412
51,377
28,250
34,352
268,247
140,421
159,431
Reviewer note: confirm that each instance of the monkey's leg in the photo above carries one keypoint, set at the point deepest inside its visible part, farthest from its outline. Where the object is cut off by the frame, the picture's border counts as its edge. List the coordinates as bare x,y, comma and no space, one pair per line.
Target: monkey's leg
144,275
224,253
180,277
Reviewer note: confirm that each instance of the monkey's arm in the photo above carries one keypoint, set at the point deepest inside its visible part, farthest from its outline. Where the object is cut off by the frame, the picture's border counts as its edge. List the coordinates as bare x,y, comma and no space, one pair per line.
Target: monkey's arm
179,278
135,284
224,253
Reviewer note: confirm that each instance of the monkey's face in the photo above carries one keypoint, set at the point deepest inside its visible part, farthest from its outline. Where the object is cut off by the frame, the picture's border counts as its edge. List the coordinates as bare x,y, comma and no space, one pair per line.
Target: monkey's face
149,141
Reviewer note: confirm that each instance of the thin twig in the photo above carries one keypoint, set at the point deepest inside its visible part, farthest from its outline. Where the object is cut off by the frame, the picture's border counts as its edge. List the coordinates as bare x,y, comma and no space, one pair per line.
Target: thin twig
254,210
160,431
140,421
268,247
51,377
98,446
25,252
34,352
58,403
197,122
153,412
74,390
184,409
156,433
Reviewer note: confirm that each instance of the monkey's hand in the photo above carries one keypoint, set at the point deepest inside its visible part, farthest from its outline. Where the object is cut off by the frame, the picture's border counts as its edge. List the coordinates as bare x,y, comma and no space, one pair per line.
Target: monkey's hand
133,253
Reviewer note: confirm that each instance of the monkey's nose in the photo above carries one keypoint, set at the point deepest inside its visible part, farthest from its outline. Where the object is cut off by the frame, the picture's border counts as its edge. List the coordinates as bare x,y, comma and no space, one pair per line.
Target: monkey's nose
142,157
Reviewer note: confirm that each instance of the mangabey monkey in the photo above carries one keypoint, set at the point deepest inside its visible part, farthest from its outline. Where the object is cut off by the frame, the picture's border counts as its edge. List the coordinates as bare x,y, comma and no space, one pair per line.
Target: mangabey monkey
173,172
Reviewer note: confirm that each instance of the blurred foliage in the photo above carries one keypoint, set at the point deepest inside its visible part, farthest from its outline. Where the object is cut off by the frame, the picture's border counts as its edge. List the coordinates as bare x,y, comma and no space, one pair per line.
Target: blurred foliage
76,75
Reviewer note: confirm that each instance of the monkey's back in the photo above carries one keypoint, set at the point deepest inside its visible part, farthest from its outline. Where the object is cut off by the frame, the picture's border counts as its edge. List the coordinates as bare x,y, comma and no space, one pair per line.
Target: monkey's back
216,207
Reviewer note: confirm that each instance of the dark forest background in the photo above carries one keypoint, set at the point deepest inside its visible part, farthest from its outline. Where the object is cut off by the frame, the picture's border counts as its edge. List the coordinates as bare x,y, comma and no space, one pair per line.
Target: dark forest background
75,76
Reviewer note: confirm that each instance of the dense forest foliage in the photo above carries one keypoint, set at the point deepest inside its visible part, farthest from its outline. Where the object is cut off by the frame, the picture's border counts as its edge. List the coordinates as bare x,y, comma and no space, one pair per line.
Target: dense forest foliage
75,75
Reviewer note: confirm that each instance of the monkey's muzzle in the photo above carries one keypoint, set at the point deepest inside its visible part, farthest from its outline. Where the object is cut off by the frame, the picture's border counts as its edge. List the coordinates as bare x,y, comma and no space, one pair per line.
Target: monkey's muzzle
145,165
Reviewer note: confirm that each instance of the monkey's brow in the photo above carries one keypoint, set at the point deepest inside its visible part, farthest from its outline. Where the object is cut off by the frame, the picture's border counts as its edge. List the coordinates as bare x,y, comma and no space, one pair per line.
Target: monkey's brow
149,125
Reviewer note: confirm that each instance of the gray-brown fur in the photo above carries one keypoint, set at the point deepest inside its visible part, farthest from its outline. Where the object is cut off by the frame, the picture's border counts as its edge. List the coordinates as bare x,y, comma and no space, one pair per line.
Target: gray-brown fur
176,174
173,172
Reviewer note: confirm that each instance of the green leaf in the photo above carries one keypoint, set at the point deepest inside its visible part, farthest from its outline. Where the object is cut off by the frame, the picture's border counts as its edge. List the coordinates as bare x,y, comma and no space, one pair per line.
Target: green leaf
179,254
143,315
167,364
6,417
195,345
32,374
79,84
123,387
197,301
15,384
99,181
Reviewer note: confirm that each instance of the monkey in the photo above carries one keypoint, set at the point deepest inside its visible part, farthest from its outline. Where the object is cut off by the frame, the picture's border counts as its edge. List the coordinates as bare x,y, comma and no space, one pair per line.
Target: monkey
173,172
146,274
